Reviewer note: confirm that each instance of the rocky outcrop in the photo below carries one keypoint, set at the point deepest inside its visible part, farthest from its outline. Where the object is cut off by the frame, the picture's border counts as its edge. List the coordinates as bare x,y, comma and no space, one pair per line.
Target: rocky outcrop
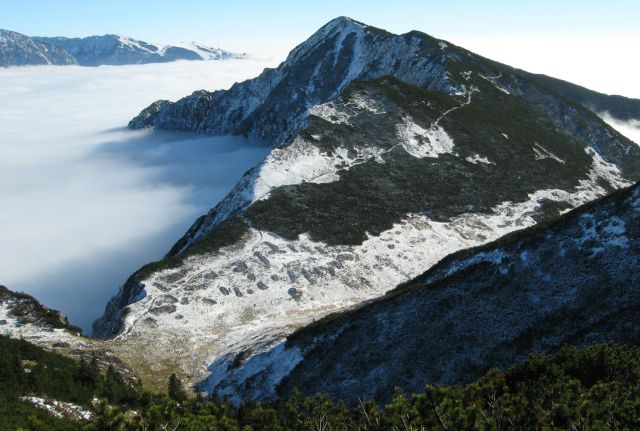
23,317
274,105
26,310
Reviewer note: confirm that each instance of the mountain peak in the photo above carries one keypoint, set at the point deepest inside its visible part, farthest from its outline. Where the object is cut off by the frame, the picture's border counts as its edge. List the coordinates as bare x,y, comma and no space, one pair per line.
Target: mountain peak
344,21
344,24
339,25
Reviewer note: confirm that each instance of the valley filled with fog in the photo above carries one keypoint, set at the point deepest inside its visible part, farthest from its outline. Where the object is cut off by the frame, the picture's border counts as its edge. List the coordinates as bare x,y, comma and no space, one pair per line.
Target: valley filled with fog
85,201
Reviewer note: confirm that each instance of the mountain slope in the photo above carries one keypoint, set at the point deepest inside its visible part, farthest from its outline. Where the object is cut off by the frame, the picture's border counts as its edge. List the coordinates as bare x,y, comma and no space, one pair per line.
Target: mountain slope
273,106
572,281
392,152
18,50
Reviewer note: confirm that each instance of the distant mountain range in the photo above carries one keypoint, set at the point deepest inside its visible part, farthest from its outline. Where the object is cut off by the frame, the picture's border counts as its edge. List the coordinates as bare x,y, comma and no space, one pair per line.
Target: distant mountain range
19,50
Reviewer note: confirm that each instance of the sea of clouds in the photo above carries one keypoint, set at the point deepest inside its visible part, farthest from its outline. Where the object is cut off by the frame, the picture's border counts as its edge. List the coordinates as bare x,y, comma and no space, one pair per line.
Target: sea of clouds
86,202
630,129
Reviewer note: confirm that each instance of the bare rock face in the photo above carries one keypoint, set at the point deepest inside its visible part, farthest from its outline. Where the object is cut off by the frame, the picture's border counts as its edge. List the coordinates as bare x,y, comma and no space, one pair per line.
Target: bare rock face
274,105
390,153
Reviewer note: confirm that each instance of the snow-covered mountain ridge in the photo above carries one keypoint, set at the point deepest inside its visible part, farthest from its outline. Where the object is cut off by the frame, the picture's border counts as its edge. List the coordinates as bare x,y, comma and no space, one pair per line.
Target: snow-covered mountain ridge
111,49
19,50
274,105
340,52
391,153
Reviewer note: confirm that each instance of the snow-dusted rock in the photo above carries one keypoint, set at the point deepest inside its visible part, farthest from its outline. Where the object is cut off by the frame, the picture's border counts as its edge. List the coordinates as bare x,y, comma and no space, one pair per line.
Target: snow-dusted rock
274,106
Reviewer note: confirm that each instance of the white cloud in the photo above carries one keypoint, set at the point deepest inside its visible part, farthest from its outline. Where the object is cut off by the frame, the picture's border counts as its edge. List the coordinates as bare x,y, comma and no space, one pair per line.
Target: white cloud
602,62
86,202
630,129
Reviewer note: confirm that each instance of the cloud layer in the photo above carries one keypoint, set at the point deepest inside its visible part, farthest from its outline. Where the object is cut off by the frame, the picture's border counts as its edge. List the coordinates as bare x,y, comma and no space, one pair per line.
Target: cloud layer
601,62
630,129
86,202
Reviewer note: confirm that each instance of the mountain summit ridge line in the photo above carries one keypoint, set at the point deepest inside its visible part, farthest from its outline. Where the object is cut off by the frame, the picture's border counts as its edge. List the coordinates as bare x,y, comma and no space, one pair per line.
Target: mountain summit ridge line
111,49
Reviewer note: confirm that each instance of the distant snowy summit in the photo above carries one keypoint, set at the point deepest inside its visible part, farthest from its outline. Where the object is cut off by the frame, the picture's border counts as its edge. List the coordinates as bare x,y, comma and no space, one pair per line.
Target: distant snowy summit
19,50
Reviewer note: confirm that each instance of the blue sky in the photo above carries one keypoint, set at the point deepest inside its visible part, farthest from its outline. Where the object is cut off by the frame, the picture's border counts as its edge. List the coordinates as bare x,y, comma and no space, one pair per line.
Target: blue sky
283,23
592,43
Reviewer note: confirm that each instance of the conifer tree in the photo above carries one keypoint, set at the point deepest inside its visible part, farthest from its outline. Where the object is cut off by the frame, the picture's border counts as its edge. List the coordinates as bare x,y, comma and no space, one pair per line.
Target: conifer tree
175,388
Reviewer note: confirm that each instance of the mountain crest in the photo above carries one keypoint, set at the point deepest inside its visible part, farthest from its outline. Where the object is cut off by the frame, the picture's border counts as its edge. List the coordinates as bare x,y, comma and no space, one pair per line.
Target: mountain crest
112,49
274,106
19,50
340,24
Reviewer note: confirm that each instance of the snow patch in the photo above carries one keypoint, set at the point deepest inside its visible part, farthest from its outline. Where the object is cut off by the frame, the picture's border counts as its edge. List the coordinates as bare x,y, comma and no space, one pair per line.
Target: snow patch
610,231
363,102
604,170
477,158
304,162
329,112
205,52
495,81
60,409
273,360
34,332
421,142
542,153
